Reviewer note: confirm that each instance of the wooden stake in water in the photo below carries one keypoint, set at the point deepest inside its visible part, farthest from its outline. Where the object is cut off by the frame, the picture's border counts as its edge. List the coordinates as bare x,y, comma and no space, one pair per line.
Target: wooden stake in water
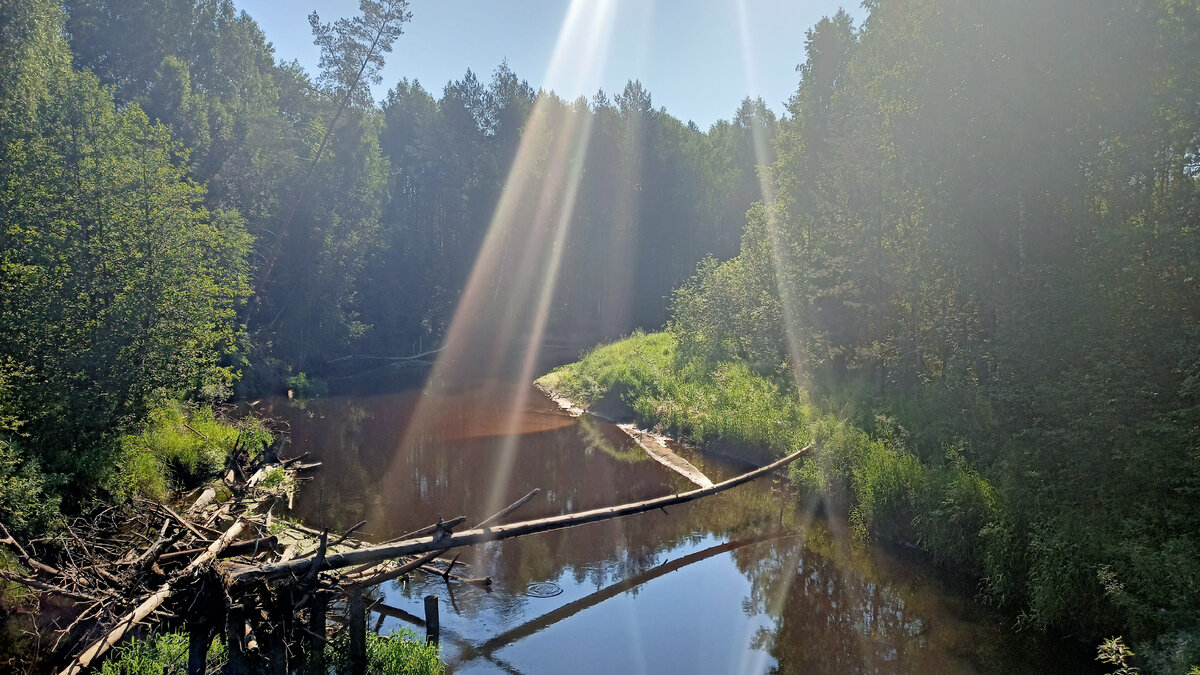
433,625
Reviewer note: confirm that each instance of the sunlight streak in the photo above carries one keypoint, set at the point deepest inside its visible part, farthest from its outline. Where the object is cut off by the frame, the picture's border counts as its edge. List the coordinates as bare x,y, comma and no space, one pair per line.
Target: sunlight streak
756,661
501,318
762,157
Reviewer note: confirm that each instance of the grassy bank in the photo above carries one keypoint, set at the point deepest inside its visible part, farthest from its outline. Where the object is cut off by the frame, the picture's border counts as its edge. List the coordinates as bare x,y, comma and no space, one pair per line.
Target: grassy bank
401,653
920,488
873,477
727,404
180,446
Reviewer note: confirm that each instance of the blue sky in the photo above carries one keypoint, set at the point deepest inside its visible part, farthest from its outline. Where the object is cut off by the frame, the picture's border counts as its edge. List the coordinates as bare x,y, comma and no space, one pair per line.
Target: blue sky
698,58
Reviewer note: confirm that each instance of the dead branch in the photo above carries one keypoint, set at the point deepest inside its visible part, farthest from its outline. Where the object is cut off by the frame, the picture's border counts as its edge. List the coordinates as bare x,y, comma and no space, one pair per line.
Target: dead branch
150,603
432,555
245,574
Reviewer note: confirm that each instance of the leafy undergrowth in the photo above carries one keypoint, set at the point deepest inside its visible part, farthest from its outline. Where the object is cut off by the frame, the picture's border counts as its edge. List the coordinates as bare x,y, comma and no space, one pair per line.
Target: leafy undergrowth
180,446
1075,572
400,653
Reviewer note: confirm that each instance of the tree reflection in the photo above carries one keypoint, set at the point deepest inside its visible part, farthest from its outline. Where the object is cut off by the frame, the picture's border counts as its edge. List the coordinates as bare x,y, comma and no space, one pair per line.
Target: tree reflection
830,604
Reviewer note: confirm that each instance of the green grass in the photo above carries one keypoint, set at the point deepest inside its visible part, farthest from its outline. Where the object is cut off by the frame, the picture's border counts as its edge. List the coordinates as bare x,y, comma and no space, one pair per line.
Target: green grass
178,447
162,654
728,402
874,478
402,652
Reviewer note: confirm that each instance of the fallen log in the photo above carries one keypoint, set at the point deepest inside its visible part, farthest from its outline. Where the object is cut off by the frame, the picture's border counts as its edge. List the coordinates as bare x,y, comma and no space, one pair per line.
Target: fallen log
25,557
202,501
49,588
251,546
248,573
149,604
432,555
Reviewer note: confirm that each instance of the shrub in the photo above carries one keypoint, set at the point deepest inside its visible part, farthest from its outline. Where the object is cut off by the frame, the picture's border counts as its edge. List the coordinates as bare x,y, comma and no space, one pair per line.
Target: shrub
25,506
180,446
303,386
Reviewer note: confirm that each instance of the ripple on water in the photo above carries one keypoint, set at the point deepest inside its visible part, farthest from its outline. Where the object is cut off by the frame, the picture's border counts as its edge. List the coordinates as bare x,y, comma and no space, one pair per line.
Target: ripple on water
543,589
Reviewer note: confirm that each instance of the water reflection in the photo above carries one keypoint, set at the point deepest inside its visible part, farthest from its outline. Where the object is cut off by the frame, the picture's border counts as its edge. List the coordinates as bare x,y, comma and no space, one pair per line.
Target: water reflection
739,582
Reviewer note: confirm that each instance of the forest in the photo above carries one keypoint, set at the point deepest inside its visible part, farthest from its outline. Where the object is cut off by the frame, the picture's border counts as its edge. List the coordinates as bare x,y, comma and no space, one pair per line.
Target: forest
967,254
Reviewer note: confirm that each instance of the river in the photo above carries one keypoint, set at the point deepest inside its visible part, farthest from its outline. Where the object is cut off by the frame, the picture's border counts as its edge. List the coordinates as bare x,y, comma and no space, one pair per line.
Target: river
744,581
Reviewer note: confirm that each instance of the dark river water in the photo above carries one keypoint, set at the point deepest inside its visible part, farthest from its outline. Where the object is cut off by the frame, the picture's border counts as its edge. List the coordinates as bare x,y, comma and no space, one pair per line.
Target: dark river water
741,582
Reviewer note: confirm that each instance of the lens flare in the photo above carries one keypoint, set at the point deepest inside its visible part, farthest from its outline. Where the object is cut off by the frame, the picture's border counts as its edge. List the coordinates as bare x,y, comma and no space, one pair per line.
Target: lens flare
501,318
756,661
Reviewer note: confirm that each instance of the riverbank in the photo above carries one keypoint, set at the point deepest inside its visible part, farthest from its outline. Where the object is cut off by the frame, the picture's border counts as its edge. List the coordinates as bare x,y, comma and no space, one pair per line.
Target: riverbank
873,475
730,409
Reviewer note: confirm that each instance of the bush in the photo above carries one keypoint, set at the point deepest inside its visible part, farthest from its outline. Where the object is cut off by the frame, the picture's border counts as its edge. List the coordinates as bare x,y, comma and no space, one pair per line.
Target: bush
180,446
25,506
303,386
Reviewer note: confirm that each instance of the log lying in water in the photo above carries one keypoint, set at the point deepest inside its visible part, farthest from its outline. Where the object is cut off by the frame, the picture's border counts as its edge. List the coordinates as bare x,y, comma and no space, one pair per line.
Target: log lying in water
247,573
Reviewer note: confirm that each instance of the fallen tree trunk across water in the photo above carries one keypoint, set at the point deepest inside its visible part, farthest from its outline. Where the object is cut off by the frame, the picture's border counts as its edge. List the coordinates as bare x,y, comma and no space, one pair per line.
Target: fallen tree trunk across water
259,606
247,573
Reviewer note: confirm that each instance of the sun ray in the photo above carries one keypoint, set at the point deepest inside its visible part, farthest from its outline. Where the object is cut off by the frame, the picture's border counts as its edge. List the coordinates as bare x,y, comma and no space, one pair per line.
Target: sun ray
756,662
500,320
770,206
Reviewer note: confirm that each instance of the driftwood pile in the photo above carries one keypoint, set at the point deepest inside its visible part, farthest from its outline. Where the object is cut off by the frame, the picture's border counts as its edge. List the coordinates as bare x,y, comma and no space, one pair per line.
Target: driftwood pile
214,569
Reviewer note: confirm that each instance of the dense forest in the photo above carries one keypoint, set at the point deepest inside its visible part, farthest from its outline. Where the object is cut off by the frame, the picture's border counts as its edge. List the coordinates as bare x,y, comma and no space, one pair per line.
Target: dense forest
982,247
974,235
184,216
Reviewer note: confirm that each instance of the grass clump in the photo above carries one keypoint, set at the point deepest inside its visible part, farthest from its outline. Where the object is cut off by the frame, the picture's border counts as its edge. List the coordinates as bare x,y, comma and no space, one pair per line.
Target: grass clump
401,652
278,481
178,447
162,654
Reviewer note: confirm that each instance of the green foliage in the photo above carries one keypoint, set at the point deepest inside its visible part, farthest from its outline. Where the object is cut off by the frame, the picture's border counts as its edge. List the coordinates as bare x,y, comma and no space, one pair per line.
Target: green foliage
643,375
700,310
278,481
1174,652
180,446
1007,283
160,654
118,287
1114,652
27,504
304,386
401,652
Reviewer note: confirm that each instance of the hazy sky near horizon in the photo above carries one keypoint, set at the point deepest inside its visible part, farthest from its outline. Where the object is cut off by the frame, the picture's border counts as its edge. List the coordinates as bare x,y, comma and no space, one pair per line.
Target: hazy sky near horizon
697,58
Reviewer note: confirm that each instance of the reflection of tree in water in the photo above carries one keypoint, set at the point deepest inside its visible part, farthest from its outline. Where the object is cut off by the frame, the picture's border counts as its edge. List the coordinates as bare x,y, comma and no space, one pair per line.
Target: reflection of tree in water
596,434
831,610
838,607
